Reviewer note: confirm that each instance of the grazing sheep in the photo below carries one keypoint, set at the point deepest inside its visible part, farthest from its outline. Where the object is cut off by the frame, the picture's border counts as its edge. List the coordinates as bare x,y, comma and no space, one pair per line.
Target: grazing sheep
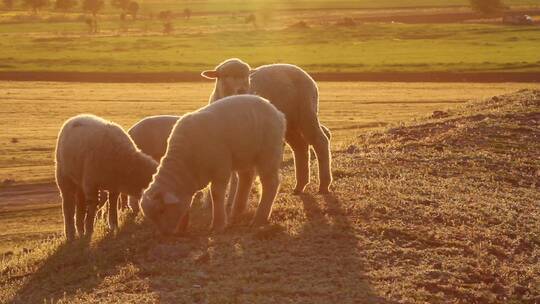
294,93
242,133
150,135
93,154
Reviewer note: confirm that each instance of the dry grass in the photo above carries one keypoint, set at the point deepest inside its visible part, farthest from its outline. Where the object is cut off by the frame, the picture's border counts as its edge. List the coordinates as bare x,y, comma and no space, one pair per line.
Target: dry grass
440,210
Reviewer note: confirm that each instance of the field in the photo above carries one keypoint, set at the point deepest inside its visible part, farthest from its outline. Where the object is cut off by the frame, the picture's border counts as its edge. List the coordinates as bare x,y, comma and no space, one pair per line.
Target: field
366,48
427,206
54,41
224,6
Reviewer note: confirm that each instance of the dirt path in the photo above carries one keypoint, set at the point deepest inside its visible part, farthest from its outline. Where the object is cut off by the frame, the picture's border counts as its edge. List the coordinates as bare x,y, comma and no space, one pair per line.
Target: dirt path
120,77
21,197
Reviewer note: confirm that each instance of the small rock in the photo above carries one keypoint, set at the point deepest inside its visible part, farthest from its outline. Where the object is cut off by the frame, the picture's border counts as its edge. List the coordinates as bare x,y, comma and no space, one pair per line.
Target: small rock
268,232
347,21
203,258
8,182
439,114
352,149
166,252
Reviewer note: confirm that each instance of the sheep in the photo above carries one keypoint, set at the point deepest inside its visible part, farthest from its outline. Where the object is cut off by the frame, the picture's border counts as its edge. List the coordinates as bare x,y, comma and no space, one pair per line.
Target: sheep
150,135
94,154
294,93
242,133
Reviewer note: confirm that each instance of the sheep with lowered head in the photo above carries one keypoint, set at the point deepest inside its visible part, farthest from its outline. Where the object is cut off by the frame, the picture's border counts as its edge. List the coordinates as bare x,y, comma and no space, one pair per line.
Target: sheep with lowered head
150,135
242,133
294,93
94,154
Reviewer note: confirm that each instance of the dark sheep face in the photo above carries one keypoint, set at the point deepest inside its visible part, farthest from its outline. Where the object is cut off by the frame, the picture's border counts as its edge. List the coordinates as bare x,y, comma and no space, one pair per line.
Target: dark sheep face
166,210
232,77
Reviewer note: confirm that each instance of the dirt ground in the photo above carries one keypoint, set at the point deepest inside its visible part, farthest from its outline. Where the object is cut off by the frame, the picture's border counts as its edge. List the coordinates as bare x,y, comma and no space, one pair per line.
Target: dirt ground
480,77
440,209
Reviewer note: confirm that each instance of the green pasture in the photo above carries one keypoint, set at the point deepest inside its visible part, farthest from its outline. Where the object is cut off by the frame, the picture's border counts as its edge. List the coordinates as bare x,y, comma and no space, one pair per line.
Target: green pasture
139,46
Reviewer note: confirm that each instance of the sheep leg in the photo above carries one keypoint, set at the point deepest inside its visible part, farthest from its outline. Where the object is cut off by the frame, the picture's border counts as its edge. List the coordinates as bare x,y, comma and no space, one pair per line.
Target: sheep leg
315,136
123,203
133,203
233,187
80,213
245,181
68,191
219,215
102,200
270,187
91,206
301,159
113,210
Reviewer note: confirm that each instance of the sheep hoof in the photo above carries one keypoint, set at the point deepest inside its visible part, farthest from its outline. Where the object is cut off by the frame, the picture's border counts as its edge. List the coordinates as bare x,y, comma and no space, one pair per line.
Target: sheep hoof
113,229
258,223
217,229
324,188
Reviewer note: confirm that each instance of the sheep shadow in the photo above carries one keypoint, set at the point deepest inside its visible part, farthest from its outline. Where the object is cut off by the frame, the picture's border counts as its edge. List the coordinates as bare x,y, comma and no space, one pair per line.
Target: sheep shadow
80,266
328,232
321,262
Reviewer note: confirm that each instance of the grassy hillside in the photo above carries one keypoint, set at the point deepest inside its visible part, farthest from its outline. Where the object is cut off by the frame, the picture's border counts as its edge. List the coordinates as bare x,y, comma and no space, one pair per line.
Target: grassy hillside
441,209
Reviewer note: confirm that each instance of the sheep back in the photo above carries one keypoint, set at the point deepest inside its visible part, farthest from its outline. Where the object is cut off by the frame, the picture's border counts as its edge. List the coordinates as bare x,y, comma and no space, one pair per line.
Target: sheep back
151,133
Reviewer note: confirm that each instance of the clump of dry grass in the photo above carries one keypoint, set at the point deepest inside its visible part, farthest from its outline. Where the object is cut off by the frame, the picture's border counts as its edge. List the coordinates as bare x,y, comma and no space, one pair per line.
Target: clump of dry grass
440,210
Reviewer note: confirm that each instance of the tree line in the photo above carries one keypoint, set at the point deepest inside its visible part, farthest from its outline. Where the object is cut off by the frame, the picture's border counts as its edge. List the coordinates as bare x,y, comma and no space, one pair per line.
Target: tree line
127,7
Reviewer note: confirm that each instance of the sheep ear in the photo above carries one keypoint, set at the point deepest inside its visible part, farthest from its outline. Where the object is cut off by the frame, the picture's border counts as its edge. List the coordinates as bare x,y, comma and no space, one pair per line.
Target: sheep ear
170,199
210,74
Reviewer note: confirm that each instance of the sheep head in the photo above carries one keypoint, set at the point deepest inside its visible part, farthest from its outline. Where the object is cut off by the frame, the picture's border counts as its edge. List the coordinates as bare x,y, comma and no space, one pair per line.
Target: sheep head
168,210
232,78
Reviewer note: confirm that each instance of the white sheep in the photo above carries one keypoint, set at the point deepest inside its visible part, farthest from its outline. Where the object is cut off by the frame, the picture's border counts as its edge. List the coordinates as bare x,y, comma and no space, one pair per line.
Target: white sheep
294,93
150,135
242,133
94,154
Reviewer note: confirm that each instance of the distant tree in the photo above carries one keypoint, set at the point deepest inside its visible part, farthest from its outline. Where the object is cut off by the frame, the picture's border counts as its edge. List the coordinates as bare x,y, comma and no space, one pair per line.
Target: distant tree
133,9
487,7
8,4
121,4
168,28
36,5
93,7
187,13
165,17
251,19
90,22
65,5
128,7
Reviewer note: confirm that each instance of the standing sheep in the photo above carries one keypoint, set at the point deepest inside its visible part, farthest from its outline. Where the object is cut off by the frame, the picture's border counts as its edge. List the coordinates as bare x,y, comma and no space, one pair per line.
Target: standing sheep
294,93
241,133
93,154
